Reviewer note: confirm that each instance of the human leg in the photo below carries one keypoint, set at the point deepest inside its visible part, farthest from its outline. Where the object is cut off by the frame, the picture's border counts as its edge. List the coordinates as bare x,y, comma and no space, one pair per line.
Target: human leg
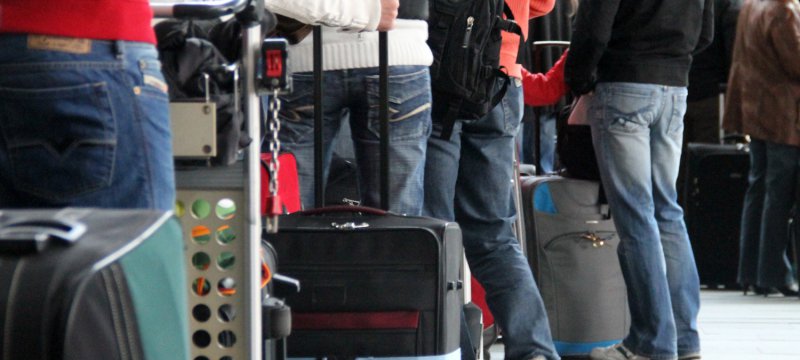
85,129
684,285
484,208
751,214
624,113
409,129
297,126
774,269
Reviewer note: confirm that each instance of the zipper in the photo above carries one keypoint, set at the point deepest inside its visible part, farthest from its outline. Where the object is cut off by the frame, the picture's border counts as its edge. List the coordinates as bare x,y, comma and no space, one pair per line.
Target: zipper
468,32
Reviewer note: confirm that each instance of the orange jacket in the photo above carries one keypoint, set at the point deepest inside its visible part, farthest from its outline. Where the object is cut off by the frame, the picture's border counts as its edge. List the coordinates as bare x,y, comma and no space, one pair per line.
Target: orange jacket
523,10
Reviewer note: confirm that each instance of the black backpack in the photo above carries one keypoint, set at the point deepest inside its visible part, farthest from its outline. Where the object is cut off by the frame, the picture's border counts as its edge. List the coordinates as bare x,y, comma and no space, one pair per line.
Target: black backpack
465,38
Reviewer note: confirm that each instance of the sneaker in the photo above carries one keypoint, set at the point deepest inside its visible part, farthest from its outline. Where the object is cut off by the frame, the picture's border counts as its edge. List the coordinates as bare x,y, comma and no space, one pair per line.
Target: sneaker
614,352
539,357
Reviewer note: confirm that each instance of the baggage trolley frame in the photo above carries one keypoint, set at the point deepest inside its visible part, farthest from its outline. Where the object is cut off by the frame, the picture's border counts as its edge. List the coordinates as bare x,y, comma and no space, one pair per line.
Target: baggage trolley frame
219,209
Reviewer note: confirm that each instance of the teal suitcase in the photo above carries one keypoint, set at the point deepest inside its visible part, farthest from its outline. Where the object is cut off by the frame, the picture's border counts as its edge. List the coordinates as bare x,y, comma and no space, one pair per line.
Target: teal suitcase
92,284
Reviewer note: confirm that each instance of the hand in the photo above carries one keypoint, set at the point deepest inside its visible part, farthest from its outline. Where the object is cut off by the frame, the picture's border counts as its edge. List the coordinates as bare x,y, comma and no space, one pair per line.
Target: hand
388,14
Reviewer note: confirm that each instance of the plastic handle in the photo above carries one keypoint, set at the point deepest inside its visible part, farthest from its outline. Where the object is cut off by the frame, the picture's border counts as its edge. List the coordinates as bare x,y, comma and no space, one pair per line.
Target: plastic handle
32,235
345,209
199,10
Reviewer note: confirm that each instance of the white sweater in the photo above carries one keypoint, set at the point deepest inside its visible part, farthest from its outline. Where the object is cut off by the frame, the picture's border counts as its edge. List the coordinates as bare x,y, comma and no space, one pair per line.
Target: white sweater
344,47
352,15
347,50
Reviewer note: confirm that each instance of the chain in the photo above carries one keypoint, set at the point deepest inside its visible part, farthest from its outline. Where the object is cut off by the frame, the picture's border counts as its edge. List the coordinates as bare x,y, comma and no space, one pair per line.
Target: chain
275,144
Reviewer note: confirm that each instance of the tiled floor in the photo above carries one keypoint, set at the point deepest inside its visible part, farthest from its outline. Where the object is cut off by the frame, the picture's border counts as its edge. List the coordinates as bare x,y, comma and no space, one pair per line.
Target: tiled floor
736,327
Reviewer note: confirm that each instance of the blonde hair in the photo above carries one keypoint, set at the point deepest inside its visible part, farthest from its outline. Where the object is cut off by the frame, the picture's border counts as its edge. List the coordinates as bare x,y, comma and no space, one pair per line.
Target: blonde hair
573,7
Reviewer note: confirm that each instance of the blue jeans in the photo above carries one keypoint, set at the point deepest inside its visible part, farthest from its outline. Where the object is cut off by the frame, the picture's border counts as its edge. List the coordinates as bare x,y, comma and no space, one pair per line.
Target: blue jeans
770,195
468,179
88,127
355,92
637,131
546,142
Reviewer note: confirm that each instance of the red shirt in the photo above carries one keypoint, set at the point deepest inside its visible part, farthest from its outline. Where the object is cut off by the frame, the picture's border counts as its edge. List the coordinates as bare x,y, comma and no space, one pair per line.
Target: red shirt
545,89
92,19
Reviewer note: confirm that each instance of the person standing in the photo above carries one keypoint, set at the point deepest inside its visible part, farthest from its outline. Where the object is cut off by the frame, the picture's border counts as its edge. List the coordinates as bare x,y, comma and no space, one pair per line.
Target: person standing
468,178
84,116
634,56
710,69
351,80
763,97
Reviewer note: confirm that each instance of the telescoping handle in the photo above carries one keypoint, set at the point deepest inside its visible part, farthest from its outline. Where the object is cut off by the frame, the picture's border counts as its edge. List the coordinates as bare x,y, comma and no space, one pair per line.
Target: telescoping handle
198,9
538,47
383,116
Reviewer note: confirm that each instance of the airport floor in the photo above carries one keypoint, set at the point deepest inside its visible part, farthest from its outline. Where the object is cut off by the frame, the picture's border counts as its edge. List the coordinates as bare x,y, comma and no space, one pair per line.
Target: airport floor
737,327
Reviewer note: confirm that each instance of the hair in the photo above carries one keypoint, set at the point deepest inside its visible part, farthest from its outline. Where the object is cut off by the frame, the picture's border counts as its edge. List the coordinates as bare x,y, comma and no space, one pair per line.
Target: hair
573,7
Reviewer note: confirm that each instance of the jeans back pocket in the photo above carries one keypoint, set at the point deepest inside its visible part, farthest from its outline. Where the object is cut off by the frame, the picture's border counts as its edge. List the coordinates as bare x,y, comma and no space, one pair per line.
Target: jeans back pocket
60,141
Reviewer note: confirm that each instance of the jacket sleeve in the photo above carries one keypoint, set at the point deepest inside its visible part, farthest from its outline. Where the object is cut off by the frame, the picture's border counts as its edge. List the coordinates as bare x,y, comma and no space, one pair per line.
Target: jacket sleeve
347,14
590,37
545,89
785,35
540,7
707,29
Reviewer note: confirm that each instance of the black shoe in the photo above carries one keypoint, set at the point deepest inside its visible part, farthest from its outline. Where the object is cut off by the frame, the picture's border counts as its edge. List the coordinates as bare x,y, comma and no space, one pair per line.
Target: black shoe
784,290
758,290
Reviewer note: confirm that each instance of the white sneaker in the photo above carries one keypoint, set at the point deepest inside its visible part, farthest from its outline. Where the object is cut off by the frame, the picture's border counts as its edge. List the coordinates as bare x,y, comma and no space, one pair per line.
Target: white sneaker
614,352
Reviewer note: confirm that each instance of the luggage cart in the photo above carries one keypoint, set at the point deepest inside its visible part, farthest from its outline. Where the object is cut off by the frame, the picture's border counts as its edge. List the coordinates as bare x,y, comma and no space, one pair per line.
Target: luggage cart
219,207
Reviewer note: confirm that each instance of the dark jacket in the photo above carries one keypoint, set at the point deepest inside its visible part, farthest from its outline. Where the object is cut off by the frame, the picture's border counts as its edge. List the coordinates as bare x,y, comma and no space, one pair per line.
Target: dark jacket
710,67
641,41
763,98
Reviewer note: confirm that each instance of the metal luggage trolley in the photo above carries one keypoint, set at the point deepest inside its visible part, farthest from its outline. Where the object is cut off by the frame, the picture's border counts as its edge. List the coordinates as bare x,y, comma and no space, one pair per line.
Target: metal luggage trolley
219,207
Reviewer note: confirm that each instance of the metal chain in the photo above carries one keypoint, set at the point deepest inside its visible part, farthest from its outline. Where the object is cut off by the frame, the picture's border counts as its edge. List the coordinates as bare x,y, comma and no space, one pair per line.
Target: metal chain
275,144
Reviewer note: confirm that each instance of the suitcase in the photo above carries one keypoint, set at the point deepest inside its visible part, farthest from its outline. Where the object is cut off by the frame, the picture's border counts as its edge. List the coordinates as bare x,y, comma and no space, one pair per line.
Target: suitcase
288,183
716,181
794,232
342,185
572,250
373,283
92,284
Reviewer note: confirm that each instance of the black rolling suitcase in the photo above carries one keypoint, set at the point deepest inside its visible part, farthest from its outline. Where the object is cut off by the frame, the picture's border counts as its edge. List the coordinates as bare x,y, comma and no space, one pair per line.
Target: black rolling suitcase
794,231
572,249
716,181
92,284
373,283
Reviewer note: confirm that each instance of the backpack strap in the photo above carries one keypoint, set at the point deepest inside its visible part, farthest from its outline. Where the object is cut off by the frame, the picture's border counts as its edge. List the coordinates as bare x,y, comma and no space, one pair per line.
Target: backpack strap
509,24
449,120
454,105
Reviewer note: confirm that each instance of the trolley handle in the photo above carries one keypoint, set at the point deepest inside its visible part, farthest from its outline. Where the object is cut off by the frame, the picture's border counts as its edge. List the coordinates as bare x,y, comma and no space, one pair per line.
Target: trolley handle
199,10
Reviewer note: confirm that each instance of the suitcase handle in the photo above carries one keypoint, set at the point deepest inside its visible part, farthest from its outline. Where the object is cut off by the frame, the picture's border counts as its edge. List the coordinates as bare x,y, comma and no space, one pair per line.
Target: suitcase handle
344,209
25,236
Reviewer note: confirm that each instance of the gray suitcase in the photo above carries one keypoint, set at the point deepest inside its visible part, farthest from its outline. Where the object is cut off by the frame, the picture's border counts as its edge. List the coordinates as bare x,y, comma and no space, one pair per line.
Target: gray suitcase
572,249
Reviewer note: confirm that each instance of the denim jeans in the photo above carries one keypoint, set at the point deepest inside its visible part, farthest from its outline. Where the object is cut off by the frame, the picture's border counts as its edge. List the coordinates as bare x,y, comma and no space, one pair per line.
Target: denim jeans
547,141
355,92
637,131
468,178
770,195
84,126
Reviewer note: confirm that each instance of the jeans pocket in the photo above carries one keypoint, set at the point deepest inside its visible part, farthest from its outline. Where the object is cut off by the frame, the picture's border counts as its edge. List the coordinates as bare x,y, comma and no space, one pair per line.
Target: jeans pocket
628,110
409,104
678,112
297,109
153,83
61,141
